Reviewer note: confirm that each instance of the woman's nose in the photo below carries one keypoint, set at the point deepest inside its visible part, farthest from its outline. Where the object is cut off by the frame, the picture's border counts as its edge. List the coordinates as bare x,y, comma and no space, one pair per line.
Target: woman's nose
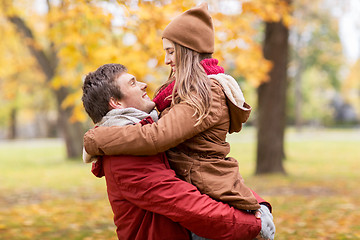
167,60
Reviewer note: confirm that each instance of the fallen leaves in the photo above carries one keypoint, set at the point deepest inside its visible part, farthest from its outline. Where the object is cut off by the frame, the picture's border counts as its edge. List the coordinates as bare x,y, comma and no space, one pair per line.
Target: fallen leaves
70,217
317,200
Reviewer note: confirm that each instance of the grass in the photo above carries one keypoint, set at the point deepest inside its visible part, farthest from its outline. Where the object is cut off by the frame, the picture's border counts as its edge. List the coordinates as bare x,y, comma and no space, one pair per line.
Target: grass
45,196
318,198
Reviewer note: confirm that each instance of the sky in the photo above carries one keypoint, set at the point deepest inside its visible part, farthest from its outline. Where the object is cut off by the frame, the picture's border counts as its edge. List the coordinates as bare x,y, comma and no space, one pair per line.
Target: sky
350,30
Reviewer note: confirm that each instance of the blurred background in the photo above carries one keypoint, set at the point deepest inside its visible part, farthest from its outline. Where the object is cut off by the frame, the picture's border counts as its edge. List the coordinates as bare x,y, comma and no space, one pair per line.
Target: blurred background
297,62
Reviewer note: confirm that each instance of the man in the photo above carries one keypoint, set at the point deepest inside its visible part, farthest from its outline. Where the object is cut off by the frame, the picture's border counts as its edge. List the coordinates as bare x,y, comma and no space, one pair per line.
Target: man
148,200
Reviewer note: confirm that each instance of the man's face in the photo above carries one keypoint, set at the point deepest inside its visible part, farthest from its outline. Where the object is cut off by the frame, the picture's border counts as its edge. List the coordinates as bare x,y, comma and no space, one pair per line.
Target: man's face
134,93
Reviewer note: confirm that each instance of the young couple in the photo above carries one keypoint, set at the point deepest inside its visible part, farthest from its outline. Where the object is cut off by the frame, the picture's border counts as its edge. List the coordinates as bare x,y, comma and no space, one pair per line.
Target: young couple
158,195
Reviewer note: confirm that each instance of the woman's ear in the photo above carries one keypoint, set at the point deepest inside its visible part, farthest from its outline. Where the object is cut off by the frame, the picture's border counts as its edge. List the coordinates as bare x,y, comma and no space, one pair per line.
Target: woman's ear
115,104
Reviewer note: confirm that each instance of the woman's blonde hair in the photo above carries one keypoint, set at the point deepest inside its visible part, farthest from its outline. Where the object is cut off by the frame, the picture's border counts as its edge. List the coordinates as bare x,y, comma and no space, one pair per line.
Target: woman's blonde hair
192,84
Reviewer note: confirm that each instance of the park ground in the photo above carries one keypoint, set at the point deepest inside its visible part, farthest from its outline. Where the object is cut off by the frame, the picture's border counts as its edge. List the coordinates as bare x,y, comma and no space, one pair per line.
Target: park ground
45,196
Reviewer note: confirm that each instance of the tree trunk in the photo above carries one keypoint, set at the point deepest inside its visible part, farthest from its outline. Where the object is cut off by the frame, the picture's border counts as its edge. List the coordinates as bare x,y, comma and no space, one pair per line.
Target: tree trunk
12,125
272,102
72,133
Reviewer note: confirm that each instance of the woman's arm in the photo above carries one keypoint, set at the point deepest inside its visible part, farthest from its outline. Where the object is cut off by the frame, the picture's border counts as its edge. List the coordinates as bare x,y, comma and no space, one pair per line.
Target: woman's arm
172,129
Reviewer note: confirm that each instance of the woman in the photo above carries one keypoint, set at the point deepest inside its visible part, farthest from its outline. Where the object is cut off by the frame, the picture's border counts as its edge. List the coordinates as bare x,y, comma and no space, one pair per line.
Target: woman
197,111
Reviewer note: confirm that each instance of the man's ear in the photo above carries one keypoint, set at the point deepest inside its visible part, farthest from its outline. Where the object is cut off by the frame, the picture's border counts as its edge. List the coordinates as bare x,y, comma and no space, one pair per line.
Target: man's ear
115,104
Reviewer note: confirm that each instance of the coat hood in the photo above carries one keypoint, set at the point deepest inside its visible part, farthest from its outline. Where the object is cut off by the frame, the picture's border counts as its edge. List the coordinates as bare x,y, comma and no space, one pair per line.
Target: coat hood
239,110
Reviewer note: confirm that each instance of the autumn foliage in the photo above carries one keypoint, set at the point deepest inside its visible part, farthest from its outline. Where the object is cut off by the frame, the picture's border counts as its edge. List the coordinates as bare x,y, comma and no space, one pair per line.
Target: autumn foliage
85,35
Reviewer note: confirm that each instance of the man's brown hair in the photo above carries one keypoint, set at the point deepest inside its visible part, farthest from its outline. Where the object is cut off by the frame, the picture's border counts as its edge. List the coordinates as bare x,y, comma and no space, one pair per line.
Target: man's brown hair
99,87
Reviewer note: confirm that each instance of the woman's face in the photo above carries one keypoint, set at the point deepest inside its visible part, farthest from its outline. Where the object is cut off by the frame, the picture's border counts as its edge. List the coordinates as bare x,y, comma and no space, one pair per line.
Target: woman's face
169,48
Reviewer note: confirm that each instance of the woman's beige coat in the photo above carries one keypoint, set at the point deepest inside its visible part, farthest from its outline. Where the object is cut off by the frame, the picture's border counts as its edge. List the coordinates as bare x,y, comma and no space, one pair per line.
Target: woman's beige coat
198,154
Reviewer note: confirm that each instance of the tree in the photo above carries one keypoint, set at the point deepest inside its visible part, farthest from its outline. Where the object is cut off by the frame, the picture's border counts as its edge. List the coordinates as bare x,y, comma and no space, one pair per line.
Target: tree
272,100
351,87
73,38
19,78
72,132
55,40
315,45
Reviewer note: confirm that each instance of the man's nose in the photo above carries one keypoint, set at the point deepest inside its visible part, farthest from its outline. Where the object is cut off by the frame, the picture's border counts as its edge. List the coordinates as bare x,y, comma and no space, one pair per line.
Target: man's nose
144,86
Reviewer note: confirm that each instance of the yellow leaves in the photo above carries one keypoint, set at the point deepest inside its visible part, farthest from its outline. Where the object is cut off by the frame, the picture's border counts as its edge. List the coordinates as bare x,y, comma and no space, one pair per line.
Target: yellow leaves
71,99
252,66
144,13
77,27
56,83
82,34
74,100
69,79
12,90
79,114
8,8
84,38
269,10
288,20
235,45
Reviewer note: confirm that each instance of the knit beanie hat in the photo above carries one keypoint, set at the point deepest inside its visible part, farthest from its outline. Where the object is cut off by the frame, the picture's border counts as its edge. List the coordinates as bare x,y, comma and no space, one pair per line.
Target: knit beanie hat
192,29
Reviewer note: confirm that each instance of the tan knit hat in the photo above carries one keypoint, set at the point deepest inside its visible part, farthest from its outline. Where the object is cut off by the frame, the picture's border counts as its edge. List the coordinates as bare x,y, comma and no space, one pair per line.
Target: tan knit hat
192,29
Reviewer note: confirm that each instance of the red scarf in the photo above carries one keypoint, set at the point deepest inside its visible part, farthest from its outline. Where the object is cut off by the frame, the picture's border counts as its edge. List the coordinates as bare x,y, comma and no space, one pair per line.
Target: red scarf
163,98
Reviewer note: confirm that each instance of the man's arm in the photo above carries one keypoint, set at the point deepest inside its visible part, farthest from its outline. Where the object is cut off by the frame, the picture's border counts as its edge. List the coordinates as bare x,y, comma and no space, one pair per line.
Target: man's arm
149,184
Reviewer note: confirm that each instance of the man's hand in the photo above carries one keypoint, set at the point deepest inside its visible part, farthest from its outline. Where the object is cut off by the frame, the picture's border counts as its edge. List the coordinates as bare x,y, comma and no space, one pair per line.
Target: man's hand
267,224
87,158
